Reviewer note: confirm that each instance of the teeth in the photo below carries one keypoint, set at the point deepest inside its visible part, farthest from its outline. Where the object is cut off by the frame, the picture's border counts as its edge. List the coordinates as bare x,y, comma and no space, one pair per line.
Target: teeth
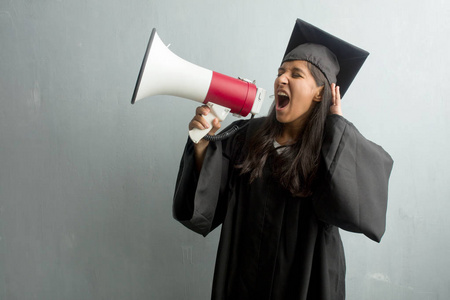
282,94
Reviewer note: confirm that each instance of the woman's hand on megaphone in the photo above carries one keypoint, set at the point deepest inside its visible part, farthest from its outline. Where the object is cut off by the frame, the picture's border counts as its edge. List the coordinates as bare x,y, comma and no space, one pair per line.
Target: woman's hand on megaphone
200,122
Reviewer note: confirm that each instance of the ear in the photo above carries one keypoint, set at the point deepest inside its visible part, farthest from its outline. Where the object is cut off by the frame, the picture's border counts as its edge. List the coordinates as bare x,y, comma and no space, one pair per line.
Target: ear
319,94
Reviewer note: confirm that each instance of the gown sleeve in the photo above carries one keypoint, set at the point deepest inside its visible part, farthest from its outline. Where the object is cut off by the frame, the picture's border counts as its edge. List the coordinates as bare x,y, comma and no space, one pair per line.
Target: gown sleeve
200,199
354,194
196,200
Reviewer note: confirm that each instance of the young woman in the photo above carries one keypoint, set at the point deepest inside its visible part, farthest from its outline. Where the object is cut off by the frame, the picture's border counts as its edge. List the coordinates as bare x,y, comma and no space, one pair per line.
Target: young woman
282,185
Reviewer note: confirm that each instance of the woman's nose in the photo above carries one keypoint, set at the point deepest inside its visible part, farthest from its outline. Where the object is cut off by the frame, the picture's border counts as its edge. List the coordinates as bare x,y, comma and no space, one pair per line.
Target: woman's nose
282,79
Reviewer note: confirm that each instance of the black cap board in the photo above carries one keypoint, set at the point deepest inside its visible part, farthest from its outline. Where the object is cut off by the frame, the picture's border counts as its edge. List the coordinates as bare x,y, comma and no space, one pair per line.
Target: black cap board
339,60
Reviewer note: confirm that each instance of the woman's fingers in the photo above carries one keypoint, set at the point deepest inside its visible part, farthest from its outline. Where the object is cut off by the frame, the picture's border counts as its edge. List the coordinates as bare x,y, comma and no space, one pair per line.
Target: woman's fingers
336,100
202,110
198,121
216,126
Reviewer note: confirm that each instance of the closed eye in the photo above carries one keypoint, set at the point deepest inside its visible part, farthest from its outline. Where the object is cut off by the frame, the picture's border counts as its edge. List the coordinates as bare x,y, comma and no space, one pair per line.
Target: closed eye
297,72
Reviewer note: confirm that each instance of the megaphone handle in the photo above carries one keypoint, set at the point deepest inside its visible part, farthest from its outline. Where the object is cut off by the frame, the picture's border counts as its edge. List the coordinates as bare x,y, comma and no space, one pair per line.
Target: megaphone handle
216,111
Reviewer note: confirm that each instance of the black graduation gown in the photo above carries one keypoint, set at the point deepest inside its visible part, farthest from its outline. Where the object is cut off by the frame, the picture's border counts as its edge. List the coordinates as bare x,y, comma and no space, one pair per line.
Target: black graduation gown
273,245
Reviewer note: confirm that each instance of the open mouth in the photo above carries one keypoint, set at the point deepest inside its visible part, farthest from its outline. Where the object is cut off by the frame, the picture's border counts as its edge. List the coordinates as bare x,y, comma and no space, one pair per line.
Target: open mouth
283,100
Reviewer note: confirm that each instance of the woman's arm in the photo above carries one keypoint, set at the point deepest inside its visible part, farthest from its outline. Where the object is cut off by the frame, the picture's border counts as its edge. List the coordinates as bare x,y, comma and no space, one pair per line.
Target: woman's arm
200,123
356,173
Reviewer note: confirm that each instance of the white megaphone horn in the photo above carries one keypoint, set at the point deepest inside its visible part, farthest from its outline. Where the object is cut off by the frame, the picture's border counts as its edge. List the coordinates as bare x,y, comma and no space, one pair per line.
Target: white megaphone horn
164,73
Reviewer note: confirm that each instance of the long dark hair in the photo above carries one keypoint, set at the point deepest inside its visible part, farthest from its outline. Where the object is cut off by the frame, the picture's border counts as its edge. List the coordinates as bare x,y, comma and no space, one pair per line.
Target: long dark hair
296,167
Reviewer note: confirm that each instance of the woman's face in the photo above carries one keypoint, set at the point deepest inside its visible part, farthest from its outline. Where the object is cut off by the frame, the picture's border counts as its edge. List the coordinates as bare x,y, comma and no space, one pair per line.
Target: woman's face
296,92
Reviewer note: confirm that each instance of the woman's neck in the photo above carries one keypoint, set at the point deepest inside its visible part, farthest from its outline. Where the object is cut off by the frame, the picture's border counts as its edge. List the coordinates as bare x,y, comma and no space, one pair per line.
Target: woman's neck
290,134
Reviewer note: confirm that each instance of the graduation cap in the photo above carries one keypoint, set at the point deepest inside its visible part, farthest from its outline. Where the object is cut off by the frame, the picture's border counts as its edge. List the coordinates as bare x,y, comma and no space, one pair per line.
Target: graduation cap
338,60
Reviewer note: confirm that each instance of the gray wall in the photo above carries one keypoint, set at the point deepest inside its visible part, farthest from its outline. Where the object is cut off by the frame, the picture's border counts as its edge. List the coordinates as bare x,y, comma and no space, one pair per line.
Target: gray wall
86,179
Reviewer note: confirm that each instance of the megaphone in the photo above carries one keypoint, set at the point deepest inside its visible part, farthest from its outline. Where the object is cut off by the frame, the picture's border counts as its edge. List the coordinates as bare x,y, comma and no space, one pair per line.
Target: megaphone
164,73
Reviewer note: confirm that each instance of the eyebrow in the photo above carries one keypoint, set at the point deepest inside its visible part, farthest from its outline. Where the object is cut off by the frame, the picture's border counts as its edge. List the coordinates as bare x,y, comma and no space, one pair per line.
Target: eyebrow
295,69
298,70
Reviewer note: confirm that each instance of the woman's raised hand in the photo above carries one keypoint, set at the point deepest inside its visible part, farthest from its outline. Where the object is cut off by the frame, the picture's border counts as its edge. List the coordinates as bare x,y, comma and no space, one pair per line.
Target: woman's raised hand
335,107
200,123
